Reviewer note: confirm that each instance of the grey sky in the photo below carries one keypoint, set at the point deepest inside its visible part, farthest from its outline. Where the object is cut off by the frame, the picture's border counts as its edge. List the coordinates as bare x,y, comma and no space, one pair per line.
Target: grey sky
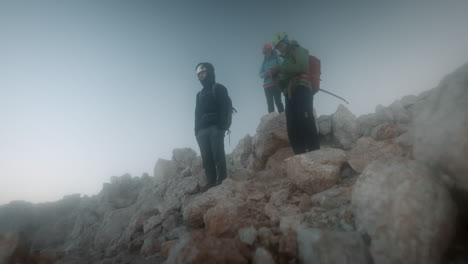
92,89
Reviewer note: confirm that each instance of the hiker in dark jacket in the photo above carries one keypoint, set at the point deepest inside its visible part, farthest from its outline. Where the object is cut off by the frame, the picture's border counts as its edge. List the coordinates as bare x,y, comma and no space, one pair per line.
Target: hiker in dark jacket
294,81
211,124
270,85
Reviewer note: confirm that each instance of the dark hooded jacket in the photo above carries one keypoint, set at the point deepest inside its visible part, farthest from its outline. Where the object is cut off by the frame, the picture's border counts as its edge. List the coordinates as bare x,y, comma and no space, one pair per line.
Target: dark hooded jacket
211,106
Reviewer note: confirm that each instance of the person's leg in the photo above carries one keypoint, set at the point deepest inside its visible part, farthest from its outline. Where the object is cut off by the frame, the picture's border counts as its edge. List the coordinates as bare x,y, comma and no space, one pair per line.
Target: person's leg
299,101
291,124
204,142
219,157
269,98
277,97
313,140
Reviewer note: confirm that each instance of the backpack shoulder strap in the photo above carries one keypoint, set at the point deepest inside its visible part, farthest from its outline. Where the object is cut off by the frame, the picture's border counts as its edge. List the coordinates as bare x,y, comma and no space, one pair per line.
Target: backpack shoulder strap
213,89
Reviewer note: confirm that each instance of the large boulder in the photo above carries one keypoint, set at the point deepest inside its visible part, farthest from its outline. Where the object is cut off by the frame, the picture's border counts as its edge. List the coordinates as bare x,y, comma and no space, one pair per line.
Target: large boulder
441,127
198,205
405,209
324,125
113,227
315,171
345,127
121,192
332,247
183,157
242,152
367,150
200,249
271,136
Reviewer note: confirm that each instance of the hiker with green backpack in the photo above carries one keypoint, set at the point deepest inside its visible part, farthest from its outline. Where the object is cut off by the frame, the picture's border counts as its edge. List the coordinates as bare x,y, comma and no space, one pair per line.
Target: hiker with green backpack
213,116
298,86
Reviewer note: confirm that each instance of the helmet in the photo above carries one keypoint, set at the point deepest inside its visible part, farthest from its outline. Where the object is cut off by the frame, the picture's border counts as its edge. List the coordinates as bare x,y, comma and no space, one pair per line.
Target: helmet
266,47
278,37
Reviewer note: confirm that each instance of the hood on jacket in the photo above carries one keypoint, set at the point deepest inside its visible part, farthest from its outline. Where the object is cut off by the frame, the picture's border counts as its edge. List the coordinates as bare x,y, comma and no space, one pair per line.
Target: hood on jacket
210,74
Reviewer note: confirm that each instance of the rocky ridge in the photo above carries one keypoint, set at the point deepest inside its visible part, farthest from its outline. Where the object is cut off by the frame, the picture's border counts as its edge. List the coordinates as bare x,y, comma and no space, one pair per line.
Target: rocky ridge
387,187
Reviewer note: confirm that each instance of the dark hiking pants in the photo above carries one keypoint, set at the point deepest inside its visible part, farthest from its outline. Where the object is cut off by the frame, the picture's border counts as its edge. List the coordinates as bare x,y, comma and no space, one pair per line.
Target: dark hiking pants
211,143
274,93
300,121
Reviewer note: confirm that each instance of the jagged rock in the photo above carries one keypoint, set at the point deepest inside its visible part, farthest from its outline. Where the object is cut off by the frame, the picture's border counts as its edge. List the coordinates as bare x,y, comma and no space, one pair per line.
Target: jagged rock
242,152
408,101
200,249
183,157
271,136
407,212
112,227
121,192
276,160
387,130
288,244
332,198
151,246
226,218
9,243
345,127
177,233
265,236
366,124
198,172
262,256
151,223
315,171
164,171
383,114
193,212
324,124
248,235
399,113
341,218
441,127
367,150
321,246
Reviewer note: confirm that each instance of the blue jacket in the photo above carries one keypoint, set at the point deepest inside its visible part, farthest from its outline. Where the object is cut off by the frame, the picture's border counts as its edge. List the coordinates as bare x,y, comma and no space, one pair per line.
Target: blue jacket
274,60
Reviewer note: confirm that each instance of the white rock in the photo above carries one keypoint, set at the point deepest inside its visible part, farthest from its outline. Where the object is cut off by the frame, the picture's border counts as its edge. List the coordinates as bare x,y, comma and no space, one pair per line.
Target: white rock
441,127
406,210
248,235
315,171
331,247
262,256
345,127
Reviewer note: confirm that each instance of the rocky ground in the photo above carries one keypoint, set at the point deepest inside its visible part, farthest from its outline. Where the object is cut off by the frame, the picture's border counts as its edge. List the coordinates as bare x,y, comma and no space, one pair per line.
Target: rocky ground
387,187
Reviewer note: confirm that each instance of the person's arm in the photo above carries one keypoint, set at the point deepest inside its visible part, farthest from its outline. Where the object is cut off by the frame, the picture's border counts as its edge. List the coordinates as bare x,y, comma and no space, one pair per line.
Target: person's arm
197,115
298,66
262,70
223,106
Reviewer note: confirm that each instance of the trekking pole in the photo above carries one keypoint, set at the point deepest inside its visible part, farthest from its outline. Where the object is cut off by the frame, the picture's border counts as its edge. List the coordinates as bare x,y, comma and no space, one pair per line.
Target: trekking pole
339,97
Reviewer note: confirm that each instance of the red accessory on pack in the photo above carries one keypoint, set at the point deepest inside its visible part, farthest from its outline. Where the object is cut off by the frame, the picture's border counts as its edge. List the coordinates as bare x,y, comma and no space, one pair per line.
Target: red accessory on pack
313,76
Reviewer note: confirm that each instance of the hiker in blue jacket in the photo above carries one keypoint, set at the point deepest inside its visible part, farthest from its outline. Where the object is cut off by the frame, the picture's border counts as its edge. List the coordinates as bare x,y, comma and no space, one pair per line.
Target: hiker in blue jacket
270,85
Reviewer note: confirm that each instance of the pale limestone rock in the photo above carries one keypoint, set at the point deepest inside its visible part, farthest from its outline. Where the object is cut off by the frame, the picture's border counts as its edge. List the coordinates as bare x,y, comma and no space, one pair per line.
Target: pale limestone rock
345,127
262,256
331,247
407,212
367,150
315,171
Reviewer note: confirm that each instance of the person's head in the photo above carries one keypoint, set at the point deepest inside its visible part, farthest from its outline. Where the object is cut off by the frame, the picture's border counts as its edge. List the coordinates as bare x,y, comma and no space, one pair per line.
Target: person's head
205,74
281,42
267,50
